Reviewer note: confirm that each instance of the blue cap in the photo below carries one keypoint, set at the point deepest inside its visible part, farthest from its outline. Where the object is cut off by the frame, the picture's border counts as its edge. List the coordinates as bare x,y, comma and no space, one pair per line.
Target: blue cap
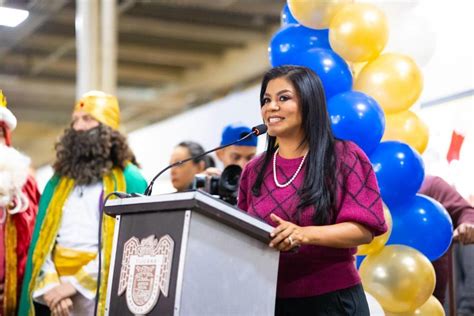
235,131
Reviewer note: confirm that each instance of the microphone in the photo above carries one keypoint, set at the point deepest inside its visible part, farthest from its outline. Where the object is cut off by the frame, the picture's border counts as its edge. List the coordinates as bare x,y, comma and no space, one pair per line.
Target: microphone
256,130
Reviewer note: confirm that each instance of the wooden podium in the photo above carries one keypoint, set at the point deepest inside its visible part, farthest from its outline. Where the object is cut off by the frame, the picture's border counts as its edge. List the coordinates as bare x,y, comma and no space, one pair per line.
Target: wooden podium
189,254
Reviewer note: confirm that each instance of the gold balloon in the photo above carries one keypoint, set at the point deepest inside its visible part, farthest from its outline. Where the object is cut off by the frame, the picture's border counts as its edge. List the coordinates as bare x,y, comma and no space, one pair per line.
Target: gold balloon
407,127
315,14
393,80
358,32
432,307
378,242
399,277
356,68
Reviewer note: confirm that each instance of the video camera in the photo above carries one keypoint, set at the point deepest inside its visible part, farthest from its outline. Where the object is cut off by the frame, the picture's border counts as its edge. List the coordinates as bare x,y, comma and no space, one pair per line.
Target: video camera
225,186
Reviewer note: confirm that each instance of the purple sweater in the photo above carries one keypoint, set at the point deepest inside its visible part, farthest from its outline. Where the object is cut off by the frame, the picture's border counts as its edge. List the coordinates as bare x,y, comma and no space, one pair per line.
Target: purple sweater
315,270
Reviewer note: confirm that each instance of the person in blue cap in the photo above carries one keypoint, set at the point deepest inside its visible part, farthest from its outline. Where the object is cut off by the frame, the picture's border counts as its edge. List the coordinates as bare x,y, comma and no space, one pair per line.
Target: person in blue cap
241,153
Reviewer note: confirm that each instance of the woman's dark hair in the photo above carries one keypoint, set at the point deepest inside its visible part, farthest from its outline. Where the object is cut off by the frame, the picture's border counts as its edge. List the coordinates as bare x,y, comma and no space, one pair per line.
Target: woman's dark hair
194,150
319,187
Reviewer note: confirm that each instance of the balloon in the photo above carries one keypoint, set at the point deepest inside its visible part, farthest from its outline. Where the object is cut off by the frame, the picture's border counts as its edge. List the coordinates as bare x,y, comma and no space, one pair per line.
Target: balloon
359,260
399,277
432,307
356,68
407,127
394,80
286,17
316,14
424,224
358,32
292,40
330,67
375,308
357,117
406,30
399,170
378,242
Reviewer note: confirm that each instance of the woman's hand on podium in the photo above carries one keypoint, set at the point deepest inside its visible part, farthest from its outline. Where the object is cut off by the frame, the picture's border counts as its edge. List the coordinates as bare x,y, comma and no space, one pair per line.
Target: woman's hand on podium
286,236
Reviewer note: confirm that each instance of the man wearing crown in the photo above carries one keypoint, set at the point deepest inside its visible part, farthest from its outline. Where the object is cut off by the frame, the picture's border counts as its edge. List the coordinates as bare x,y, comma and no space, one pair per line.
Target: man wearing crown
19,199
93,159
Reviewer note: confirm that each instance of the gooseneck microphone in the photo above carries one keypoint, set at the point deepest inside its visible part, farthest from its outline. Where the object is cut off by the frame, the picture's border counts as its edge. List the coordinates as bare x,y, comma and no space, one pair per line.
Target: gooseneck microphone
256,130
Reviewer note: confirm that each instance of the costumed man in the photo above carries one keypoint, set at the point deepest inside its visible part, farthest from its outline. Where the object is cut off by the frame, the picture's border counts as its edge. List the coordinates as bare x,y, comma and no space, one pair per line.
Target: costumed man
19,197
93,159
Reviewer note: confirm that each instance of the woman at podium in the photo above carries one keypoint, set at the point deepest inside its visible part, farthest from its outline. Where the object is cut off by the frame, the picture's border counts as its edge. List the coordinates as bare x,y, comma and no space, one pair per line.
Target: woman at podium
320,193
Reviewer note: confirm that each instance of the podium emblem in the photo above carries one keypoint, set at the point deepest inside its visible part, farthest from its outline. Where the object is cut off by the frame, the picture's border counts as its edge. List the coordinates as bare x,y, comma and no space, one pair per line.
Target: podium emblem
145,272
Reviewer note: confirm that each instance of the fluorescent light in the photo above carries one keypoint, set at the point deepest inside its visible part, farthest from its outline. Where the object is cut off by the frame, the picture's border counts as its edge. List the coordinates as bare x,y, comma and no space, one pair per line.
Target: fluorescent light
12,17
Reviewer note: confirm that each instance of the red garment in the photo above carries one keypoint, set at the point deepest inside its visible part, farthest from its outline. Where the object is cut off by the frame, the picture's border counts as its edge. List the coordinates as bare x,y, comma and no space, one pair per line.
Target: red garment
460,211
24,223
315,270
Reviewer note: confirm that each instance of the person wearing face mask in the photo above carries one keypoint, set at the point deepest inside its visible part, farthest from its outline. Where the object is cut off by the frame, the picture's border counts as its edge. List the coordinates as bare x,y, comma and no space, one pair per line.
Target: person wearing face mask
93,159
19,197
320,194
182,176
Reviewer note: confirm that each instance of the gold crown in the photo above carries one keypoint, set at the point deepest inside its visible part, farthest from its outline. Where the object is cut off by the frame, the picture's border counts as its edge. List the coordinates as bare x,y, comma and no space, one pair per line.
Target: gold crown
3,100
101,106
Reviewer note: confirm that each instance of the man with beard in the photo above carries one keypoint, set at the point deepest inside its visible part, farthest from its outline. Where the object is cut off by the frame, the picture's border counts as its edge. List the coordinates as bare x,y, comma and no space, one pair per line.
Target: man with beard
92,160
19,198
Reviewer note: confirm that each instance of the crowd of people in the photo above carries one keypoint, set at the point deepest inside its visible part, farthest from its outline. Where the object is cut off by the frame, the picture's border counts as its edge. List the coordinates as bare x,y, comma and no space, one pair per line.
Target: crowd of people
307,184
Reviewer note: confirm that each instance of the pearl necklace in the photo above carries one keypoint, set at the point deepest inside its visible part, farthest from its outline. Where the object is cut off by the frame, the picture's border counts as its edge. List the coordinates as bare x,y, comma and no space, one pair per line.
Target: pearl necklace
284,185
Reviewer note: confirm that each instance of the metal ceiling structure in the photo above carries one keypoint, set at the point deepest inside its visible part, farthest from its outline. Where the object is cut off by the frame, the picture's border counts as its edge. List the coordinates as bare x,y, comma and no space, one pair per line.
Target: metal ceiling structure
172,55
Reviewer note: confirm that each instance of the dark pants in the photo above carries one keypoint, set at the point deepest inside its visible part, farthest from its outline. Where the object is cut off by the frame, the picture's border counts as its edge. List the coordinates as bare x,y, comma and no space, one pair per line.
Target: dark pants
351,301
41,310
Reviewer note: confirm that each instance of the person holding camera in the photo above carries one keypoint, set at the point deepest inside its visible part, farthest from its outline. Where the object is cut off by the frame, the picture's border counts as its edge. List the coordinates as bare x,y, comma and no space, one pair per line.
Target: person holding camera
241,153
319,192
234,158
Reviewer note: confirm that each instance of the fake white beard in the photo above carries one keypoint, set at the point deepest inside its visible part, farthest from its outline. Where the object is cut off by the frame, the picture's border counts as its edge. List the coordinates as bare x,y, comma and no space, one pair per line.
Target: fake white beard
14,168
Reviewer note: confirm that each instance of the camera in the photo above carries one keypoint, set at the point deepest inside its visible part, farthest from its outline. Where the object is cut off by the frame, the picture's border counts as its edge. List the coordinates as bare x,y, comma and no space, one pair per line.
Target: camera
225,186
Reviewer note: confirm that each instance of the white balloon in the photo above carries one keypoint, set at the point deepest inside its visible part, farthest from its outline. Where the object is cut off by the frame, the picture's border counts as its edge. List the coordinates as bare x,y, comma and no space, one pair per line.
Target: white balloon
412,35
374,306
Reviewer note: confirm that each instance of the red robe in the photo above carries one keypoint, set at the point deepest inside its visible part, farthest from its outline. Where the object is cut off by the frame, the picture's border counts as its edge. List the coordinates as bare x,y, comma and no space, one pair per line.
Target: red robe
16,247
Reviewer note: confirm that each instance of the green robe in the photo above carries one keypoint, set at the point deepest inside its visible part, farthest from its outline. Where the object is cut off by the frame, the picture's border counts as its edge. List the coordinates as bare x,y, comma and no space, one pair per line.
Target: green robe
134,183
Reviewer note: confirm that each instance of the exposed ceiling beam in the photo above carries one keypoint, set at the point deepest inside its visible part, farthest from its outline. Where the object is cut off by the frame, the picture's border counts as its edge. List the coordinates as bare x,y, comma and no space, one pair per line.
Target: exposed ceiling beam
126,52
235,67
12,37
69,45
176,30
261,7
131,73
38,94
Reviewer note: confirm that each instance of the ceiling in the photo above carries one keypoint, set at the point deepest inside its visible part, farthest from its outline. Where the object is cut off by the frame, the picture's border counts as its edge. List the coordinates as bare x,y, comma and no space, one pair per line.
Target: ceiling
172,55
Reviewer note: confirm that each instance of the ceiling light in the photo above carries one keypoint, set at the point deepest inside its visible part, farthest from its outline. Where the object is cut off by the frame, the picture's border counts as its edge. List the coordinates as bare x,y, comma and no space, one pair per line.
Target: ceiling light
12,17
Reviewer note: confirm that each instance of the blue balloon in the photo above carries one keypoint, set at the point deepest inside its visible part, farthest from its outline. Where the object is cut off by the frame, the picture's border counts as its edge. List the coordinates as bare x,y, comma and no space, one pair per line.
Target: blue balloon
330,67
357,117
399,170
359,260
286,17
424,224
293,39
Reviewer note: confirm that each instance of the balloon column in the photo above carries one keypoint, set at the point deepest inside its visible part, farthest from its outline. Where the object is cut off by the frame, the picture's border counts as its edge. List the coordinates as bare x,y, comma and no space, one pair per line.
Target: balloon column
369,92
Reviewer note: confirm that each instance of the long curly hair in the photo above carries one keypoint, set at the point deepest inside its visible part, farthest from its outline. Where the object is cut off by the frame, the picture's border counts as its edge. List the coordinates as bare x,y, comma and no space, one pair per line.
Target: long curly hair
87,156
